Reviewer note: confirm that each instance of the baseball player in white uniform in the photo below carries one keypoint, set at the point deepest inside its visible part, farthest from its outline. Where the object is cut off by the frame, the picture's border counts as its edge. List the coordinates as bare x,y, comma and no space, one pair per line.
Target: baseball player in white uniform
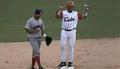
35,30
68,33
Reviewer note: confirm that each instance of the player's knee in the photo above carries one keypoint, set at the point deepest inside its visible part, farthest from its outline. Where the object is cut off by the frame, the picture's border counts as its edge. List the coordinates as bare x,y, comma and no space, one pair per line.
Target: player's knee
71,44
36,53
63,47
63,44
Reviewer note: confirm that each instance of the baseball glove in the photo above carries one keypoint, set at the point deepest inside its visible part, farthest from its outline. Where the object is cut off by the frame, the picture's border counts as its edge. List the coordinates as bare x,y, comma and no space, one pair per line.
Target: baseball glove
48,40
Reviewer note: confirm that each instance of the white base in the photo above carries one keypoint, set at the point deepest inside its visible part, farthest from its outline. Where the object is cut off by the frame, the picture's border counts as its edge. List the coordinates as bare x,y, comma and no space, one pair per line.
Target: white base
67,67
70,68
63,67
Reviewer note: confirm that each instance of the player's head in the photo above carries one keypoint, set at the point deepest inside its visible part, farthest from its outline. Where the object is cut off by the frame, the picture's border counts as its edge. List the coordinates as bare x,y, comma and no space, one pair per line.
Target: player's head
70,6
38,13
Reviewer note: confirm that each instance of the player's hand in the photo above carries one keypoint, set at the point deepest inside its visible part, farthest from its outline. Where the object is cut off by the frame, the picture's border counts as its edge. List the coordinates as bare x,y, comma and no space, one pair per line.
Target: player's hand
30,31
61,6
37,30
87,8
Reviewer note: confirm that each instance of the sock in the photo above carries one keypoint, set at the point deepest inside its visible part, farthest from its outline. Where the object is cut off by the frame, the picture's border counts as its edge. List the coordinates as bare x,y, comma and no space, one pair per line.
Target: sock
38,61
33,62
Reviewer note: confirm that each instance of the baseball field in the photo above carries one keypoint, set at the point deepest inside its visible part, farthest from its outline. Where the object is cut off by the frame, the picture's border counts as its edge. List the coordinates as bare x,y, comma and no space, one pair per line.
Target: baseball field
98,37
89,54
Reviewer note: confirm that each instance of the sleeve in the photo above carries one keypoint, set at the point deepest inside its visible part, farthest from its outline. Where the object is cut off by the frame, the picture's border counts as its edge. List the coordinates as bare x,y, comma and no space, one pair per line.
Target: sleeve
27,26
80,16
61,14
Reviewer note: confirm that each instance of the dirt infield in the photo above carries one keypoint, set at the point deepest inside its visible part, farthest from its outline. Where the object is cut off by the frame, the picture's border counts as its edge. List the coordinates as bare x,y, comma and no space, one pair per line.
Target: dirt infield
101,53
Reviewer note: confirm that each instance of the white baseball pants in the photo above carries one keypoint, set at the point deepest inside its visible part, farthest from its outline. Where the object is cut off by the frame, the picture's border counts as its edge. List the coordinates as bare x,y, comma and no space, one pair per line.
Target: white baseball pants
67,37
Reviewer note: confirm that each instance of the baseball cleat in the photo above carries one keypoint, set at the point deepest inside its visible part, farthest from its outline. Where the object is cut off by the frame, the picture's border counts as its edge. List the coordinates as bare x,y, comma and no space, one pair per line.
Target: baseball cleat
70,64
62,64
41,67
70,67
32,68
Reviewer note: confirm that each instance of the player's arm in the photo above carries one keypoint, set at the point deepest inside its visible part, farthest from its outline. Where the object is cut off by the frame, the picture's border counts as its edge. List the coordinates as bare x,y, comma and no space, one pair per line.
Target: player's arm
85,14
82,16
59,12
30,31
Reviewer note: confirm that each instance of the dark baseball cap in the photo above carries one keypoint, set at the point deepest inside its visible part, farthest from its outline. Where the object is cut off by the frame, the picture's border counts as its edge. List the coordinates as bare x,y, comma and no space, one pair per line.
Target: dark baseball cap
38,11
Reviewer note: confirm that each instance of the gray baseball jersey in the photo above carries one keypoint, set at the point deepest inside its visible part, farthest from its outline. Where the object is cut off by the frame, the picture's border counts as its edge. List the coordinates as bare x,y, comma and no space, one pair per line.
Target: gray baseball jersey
31,23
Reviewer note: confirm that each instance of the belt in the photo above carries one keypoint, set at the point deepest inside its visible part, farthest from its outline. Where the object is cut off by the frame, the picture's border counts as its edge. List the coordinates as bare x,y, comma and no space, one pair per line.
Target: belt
38,37
33,38
68,29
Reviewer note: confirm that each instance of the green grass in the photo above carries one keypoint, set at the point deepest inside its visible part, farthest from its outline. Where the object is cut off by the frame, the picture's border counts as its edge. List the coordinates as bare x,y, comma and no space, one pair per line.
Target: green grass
103,19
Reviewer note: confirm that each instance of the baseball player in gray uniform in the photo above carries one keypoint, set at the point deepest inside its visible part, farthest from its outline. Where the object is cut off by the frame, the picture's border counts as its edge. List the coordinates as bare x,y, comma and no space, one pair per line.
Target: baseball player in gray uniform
35,30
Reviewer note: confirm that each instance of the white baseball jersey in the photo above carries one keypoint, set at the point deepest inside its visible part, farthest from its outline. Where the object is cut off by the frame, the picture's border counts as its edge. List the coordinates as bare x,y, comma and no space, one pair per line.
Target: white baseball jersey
69,20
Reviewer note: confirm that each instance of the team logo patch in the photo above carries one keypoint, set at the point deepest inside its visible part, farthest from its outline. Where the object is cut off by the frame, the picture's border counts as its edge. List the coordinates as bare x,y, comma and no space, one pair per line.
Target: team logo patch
67,19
